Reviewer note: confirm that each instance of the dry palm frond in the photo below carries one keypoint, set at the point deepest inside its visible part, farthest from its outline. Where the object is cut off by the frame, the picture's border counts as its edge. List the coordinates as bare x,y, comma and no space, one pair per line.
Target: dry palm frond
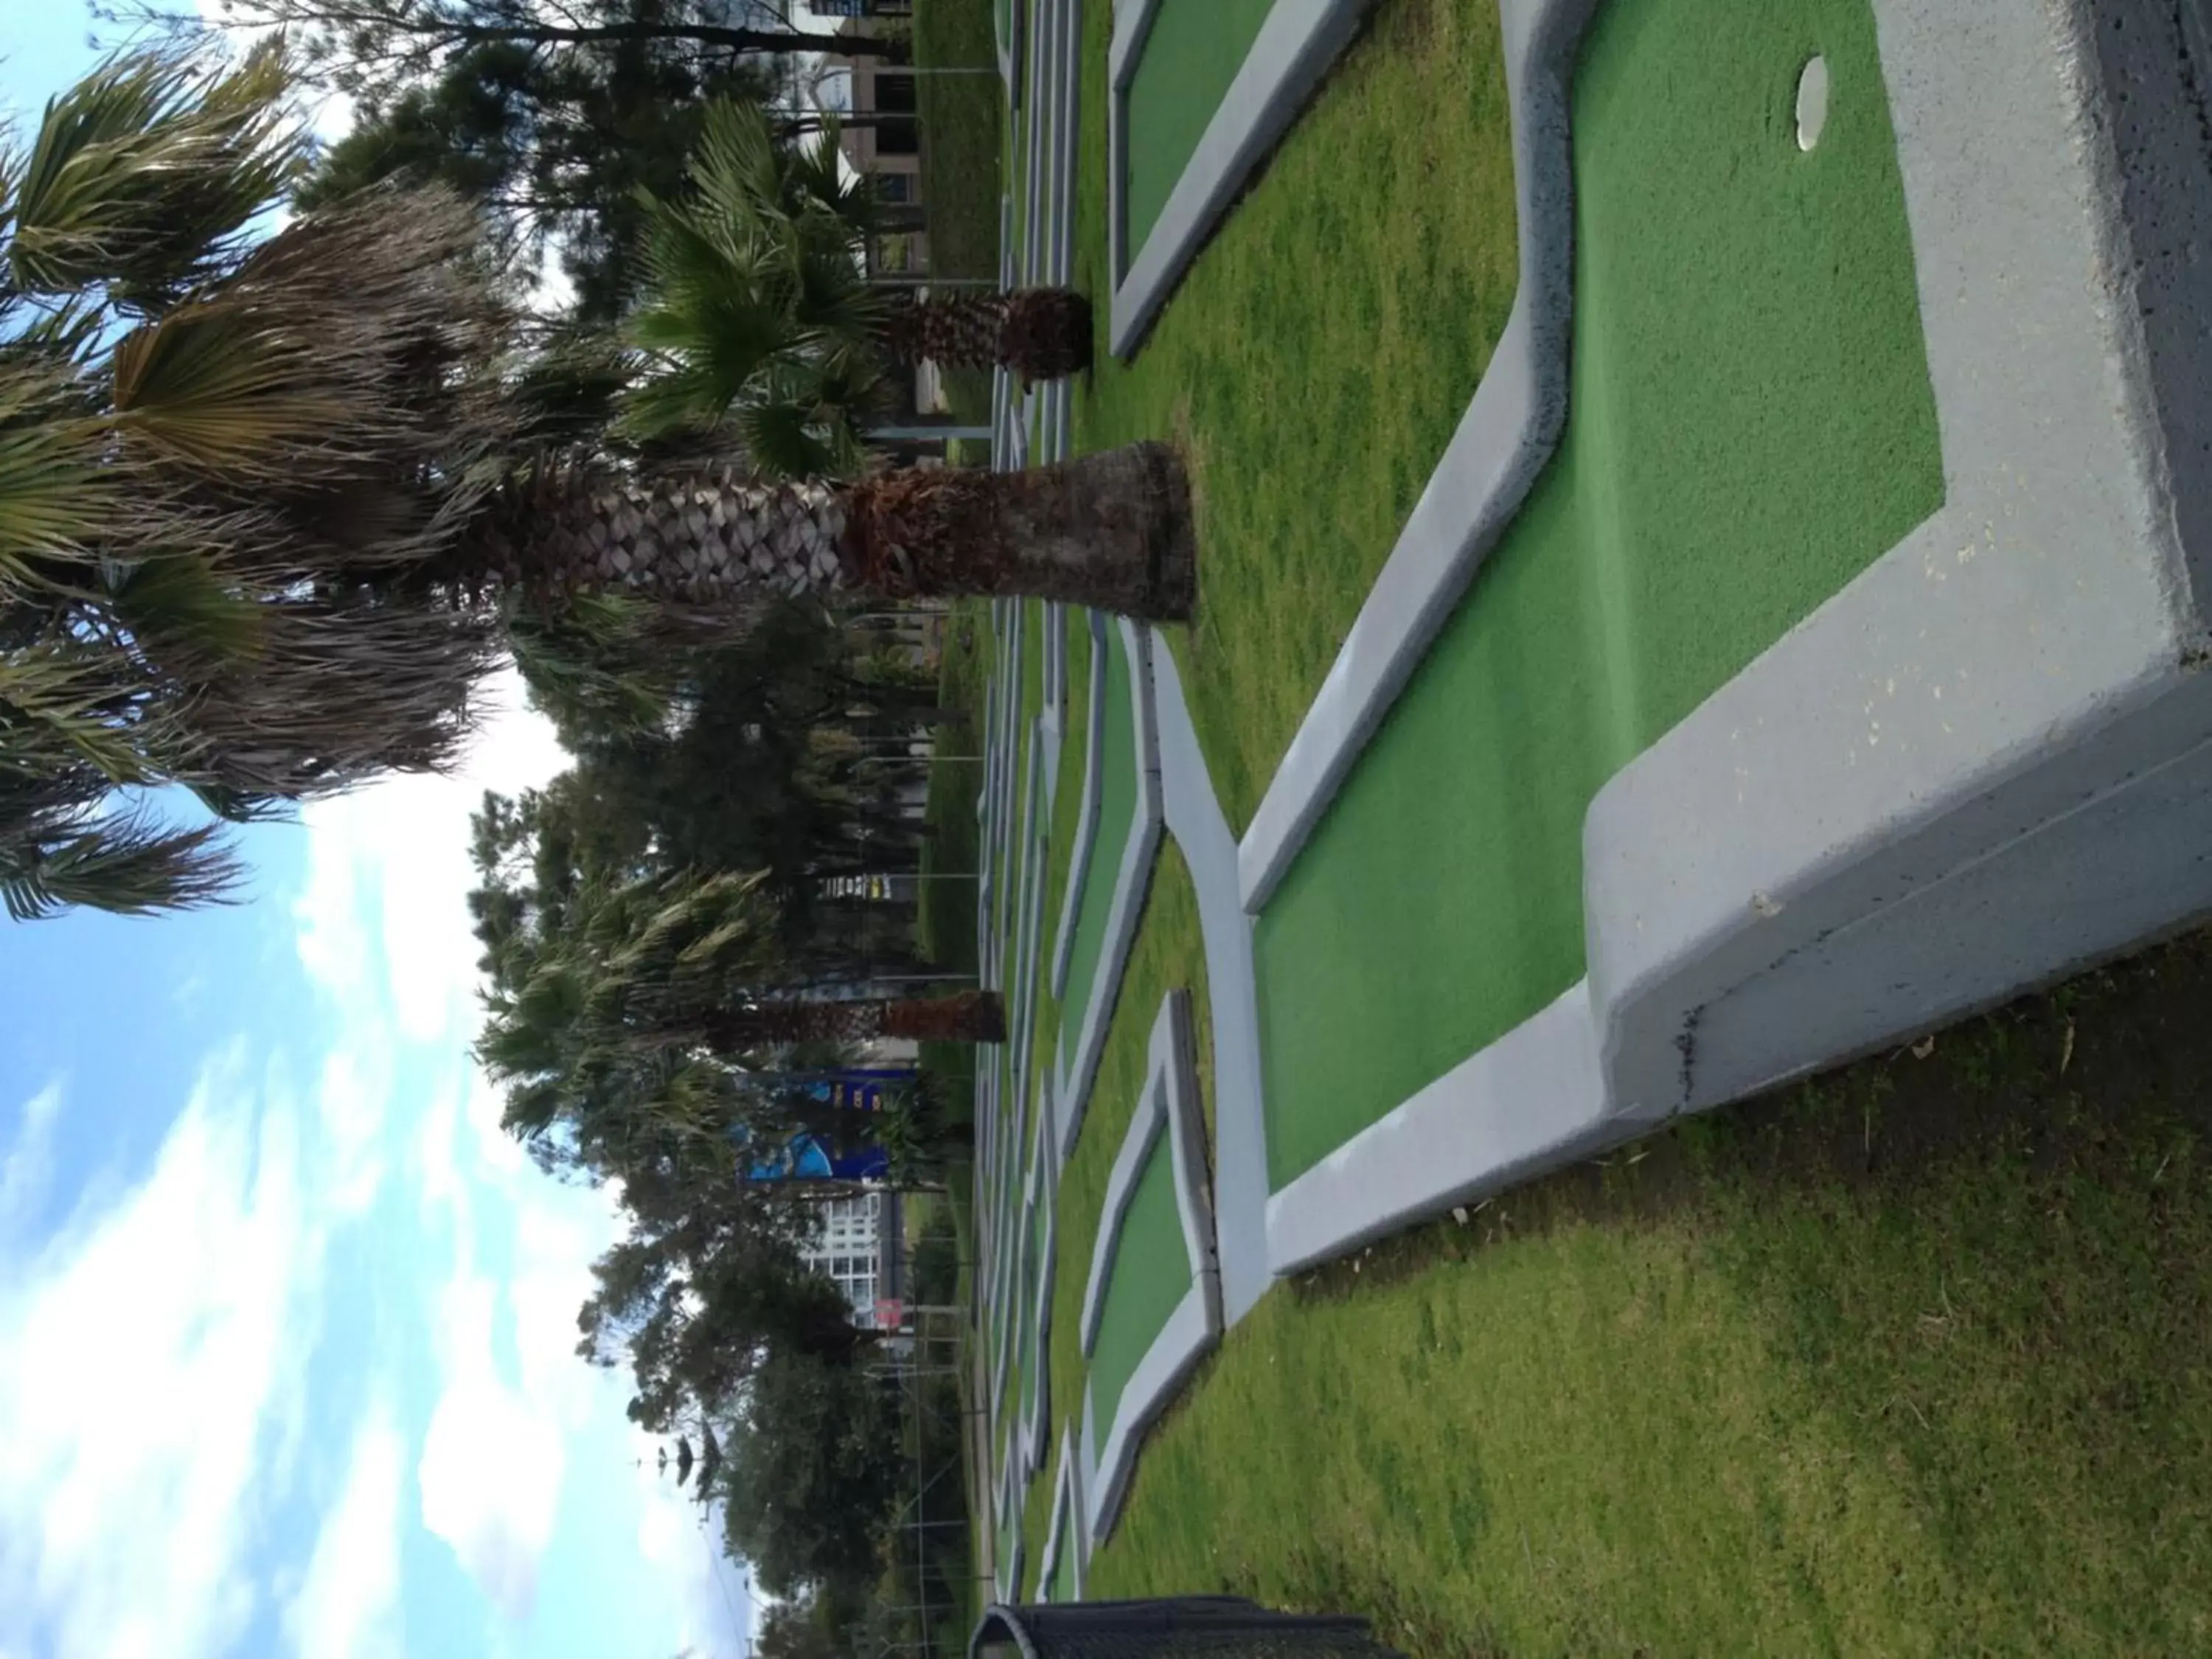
146,174
337,395
339,692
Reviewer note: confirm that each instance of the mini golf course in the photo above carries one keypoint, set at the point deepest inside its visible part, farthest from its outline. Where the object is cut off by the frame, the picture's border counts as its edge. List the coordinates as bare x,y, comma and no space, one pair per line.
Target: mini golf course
1662,633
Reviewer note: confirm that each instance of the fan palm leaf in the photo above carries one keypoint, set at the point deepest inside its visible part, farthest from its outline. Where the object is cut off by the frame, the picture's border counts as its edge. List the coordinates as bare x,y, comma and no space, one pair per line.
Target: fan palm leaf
757,319
57,490
146,174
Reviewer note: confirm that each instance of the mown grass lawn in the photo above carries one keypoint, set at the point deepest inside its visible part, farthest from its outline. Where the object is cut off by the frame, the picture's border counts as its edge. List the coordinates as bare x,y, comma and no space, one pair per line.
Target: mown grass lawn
1913,1359
1317,357
962,146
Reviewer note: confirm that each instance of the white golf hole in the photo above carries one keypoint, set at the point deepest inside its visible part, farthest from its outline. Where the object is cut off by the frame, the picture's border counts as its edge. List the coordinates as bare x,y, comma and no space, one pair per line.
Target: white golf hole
1812,101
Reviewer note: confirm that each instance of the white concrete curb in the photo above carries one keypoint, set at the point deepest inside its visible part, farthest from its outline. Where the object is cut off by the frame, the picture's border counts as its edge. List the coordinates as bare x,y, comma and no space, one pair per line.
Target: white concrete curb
1169,1107
1066,1526
1086,818
1987,760
1193,817
1133,879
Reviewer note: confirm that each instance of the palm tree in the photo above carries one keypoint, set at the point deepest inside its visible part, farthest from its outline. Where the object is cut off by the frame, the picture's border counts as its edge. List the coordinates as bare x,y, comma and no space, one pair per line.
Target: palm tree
264,504
758,315
184,415
624,1009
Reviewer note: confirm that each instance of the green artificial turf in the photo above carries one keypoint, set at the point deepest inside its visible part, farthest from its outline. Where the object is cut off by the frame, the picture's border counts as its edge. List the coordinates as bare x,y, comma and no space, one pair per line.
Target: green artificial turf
1117,812
1750,425
1146,1280
1190,55
1316,357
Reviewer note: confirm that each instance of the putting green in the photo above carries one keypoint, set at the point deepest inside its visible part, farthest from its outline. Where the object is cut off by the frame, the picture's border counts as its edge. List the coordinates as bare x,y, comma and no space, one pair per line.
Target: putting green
1117,812
1190,54
1147,1277
1750,425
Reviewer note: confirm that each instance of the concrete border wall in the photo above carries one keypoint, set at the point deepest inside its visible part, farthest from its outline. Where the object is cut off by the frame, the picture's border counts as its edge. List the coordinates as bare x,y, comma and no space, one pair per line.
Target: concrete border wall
1987,761
1066,1529
1133,879
1168,1107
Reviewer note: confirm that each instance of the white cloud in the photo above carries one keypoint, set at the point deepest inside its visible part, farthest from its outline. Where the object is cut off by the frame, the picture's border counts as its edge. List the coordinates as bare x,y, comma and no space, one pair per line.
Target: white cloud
383,920
28,1170
383,928
353,1103
683,1546
495,1459
151,1361
347,1605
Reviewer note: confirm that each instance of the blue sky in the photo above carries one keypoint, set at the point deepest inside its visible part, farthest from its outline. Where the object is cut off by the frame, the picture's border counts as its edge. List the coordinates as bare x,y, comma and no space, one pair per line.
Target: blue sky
286,1324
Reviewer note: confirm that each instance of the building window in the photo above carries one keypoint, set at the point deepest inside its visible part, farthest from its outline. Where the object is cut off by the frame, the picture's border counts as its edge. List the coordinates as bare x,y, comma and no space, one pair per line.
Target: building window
895,187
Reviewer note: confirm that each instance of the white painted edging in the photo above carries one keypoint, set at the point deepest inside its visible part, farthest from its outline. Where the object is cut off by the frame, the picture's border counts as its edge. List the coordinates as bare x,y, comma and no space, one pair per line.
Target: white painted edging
1201,830
1507,434
1288,57
1066,1529
1984,762
1169,1105
1077,1072
1006,1573
1044,1187
1087,819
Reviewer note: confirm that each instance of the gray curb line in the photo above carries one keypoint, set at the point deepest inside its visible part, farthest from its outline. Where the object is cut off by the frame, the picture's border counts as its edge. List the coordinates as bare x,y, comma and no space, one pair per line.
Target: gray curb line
2009,688
1009,51
1987,760
1086,821
1194,819
1132,880
1168,1107
1006,1574
1044,1180
1065,1530
1293,51
1531,1101
1502,441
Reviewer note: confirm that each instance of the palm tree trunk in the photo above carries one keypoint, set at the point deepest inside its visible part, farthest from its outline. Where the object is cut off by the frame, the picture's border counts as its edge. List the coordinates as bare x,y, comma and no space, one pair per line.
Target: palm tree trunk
1037,333
964,1017
1111,531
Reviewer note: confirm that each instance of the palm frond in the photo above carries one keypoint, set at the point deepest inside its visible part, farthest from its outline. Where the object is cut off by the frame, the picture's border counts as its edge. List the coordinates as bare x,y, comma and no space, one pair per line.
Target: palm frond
125,863
67,702
347,356
816,176
145,174
179,609
57,489
757,317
